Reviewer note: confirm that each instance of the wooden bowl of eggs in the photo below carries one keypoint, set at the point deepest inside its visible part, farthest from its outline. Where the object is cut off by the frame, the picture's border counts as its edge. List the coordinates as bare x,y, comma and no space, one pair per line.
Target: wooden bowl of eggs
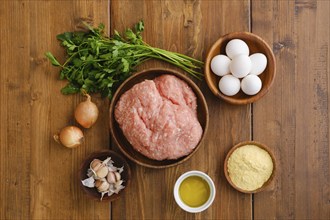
240,68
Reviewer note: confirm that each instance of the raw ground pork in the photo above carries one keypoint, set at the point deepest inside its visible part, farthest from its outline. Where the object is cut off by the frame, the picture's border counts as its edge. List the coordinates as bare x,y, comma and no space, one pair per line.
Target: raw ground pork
159,118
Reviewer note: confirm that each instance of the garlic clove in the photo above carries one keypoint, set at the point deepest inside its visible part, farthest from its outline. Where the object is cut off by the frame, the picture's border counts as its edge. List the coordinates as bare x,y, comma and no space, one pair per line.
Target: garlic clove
118,177
102,185
95,164
102,172
111,177
97,183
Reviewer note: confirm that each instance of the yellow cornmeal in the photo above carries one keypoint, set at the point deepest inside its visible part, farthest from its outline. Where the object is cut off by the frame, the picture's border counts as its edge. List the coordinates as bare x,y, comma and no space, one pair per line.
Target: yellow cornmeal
249,167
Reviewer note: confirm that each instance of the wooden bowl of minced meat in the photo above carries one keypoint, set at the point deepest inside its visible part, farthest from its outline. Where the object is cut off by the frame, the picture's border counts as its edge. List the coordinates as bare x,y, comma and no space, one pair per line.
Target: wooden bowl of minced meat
158,118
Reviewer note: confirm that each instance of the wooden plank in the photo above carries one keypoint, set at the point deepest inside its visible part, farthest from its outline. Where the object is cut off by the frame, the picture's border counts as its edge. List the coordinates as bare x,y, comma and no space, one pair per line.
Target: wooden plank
188,27
39,178
293,119
15,125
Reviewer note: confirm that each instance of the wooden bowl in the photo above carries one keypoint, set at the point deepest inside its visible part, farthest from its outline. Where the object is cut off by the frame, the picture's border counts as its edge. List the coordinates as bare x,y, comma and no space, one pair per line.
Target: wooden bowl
267,183
120,139
256,45
118,160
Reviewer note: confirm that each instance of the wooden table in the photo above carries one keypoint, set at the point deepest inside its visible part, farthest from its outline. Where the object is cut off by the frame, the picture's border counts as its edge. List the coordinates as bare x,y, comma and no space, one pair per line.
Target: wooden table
38,178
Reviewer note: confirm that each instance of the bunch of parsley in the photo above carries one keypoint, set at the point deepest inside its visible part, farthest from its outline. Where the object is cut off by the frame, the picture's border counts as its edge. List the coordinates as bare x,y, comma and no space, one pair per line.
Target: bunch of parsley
98,64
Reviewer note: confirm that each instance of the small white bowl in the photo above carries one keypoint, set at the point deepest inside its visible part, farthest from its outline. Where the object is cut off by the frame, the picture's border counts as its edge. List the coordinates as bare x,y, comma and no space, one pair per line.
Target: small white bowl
185,207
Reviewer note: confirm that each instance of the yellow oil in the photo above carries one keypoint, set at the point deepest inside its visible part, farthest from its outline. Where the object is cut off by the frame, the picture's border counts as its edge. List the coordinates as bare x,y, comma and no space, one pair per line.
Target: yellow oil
194,191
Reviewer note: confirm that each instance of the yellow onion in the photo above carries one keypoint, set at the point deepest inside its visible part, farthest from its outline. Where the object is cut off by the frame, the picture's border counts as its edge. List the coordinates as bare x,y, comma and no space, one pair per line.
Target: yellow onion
70,137
86,113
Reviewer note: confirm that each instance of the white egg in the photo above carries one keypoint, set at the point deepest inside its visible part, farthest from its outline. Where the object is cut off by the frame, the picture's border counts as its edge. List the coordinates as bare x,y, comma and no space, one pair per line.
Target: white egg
229,85
220,65
259,63
251,84
236,47
240,65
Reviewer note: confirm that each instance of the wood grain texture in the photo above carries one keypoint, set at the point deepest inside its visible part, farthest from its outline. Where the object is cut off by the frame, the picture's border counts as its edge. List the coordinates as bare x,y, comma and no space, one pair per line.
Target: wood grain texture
293,118
39,178
188,27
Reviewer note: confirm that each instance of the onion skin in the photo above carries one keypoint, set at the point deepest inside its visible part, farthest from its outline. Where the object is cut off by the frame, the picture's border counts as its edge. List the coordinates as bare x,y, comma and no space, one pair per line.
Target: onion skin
70,137
86,113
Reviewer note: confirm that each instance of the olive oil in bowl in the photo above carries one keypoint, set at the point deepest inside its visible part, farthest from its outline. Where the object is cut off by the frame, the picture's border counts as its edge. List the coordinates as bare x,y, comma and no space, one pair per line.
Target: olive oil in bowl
194,191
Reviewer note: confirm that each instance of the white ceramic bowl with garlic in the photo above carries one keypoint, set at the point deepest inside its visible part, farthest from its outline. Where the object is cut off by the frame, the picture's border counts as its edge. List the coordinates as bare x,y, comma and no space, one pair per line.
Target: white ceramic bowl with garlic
239,63
104,175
